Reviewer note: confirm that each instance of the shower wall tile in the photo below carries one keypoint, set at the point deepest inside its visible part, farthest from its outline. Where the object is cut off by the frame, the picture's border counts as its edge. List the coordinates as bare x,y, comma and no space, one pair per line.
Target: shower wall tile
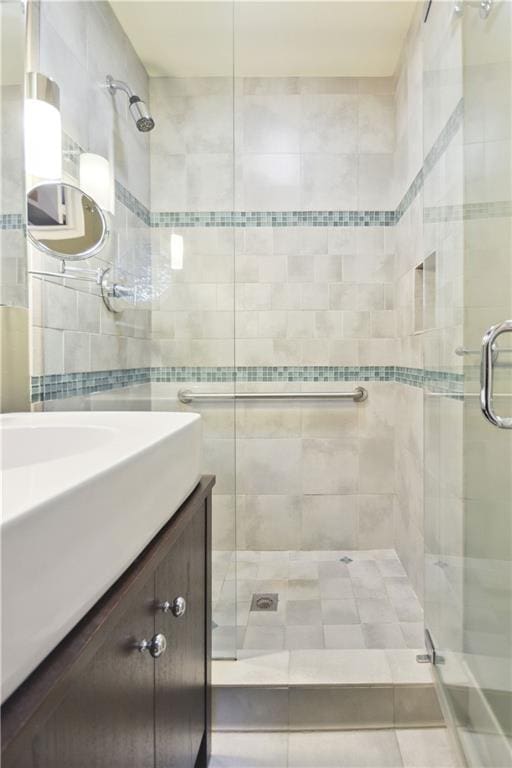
299,144
82,42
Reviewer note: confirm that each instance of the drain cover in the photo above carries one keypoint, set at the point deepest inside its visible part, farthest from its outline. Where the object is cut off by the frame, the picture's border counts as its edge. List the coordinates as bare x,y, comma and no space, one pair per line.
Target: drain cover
346,559
264,601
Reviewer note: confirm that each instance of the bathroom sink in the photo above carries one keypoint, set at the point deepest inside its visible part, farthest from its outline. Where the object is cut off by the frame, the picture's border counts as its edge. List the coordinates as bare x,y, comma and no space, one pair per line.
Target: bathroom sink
82,495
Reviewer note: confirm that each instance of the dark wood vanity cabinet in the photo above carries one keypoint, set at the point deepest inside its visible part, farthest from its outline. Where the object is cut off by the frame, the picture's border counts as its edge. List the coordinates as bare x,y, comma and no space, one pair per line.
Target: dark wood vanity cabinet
98,701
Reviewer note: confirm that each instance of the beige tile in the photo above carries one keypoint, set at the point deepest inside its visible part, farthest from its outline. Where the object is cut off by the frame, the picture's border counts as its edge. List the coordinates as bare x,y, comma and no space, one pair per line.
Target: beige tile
252,668
264,637
250,709
249,750
329,522
348,749
328,708
426,748
297,637
417,705
340,636
340,612
339,667
303,613
329,466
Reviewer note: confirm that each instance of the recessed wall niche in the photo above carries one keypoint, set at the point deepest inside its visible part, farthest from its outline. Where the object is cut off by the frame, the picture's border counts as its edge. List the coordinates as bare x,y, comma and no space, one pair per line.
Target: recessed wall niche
425,293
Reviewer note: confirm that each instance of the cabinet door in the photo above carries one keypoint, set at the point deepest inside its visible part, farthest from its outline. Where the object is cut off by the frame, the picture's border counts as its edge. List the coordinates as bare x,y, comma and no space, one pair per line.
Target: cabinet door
106,719
180,673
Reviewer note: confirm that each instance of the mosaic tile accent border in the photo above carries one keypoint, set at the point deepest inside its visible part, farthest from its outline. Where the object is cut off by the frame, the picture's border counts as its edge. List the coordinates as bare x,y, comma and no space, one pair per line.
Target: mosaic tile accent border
62,385
125,197
355,218
12,221
239,219
57,386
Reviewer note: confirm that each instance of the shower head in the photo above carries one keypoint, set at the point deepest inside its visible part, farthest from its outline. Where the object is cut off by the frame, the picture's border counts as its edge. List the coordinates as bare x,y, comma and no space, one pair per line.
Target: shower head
138,109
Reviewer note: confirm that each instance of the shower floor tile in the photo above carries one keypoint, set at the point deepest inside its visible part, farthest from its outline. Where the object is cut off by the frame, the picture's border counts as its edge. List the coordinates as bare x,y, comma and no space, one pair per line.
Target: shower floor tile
324,602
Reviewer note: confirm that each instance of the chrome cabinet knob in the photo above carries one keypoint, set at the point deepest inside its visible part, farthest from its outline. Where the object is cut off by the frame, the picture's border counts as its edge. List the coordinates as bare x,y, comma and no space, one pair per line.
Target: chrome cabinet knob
178,606
156,646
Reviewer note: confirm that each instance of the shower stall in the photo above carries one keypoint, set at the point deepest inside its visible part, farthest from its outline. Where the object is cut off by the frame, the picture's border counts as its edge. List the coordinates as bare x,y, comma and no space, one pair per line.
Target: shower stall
317,213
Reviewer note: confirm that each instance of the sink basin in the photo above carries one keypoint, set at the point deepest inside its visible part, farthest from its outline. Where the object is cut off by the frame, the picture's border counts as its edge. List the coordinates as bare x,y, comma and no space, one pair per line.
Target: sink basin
82,495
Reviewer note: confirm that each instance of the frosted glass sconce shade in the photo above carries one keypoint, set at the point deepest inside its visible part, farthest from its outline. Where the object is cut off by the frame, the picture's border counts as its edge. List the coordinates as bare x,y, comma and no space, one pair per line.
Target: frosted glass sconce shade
43,129
96,180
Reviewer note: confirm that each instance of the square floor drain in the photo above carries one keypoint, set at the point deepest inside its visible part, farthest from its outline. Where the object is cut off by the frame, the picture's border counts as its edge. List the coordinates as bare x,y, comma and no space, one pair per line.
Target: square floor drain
264,601
346,559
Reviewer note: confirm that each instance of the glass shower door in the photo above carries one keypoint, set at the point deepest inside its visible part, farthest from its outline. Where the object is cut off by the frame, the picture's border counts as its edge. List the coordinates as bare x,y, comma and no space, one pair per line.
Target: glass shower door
468,478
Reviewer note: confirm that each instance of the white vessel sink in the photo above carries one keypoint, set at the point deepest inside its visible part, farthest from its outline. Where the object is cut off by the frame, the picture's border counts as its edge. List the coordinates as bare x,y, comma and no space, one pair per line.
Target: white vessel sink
82,495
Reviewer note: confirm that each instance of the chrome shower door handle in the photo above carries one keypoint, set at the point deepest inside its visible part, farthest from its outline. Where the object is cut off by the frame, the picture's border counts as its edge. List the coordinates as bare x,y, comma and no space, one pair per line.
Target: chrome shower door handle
487,374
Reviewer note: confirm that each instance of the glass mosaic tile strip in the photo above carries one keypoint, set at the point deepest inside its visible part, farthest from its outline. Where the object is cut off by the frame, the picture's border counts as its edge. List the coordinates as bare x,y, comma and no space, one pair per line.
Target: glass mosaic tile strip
56,386
12,221
239,219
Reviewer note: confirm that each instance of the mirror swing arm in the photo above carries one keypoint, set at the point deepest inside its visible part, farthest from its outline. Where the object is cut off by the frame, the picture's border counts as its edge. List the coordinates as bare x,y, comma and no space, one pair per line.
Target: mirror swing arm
44,219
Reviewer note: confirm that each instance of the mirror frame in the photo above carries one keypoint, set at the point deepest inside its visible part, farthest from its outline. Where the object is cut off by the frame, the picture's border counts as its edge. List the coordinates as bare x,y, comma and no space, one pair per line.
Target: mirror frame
83,254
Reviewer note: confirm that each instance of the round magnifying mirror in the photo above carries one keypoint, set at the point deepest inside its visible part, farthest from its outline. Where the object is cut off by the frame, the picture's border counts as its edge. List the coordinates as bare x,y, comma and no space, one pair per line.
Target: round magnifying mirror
65,222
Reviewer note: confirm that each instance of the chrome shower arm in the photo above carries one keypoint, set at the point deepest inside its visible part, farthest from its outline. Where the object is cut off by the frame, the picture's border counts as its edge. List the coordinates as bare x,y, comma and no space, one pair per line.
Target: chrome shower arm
118,85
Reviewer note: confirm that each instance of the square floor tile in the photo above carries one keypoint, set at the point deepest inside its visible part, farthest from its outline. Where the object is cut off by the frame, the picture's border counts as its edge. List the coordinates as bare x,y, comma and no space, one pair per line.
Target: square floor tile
303,612
298,637
339,636
339,612
344,749
336,589
249,750
264,637
383,636
376,611
303,589
426,748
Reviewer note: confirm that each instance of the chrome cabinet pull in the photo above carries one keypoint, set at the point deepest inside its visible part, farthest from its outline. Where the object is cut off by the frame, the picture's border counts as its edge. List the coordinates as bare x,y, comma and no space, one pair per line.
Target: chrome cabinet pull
487,373
178,606
156,646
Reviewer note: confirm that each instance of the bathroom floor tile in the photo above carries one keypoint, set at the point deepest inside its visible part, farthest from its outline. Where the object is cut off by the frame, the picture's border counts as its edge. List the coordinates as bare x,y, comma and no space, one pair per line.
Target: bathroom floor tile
339,636
249,750
344,749
426,748
297,637
328,601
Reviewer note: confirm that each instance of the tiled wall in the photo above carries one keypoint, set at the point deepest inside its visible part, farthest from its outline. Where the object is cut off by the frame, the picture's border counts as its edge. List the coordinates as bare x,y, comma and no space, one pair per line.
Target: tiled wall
293,295
80,43
408,501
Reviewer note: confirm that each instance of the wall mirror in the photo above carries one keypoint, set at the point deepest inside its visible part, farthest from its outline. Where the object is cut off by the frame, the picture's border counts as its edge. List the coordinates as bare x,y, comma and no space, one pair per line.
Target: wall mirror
65,222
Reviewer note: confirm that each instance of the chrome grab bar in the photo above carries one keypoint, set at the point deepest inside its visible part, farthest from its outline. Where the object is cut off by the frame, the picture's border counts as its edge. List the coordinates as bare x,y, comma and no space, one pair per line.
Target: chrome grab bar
461,351
486,375
188,395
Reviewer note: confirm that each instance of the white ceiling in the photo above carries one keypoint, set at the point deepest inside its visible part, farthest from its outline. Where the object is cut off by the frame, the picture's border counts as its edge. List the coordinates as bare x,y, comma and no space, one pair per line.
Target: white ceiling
267,38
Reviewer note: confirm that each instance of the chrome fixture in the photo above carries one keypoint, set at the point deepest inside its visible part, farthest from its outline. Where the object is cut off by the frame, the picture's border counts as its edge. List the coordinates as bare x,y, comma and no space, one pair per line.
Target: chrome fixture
462,351
42,88
484,6
486,375
266,601
156,646
138,109
188,395
112,292
178,607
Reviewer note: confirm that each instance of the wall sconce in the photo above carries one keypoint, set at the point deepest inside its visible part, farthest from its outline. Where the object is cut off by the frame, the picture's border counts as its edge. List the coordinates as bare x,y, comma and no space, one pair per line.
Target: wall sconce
43,129
176,251
96,180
